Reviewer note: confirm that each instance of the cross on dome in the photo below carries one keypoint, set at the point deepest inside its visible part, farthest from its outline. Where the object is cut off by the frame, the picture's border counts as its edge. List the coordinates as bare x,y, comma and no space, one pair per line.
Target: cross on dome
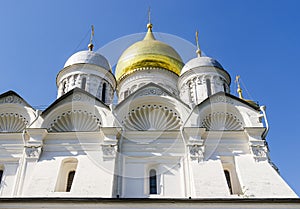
91,45
198,51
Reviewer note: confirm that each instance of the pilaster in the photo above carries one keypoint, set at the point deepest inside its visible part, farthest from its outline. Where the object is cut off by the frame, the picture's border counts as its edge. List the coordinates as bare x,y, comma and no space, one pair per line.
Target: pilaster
258,147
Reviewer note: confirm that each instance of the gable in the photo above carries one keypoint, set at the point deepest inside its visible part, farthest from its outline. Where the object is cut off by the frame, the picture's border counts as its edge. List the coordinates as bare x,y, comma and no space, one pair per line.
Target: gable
11,97
152,108
150,90
15,113
75,95
223,111
76,111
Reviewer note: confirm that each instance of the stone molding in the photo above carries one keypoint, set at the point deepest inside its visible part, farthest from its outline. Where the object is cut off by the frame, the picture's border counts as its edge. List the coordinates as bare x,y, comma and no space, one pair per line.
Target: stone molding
196,152
109,151
33,152
260,152
12,99
152,91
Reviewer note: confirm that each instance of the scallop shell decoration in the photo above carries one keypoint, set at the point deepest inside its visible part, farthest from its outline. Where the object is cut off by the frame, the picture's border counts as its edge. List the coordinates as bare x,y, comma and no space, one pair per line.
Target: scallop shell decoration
12,122
152,117
222,121
75,120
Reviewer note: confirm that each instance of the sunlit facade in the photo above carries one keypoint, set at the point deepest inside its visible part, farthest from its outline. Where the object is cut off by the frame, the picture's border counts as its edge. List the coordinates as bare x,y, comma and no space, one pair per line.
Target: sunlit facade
176,132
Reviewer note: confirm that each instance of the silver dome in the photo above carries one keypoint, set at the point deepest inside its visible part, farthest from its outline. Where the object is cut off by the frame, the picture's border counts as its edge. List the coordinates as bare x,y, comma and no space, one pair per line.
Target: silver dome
88,57
201,62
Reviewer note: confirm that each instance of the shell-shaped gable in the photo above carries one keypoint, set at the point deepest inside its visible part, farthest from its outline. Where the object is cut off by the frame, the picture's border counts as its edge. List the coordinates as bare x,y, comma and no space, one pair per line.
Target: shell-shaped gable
15,113
75,120
76,111
222,121
12,122
152,117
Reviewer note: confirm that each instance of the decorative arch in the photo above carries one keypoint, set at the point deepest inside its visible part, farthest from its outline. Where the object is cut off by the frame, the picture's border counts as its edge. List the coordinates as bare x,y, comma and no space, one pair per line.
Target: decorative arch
15,113
12,122
152,117
221,121
66,175
220,113
75,120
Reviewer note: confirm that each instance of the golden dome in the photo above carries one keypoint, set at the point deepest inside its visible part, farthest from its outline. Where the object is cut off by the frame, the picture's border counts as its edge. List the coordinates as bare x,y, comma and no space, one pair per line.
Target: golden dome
148,53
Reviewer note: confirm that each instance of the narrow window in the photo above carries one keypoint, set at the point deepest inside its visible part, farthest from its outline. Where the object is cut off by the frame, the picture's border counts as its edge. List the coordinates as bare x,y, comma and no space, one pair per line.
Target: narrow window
227,176
1,174
208,87
83,83
70,180
66,175
103,92
153,182
224,87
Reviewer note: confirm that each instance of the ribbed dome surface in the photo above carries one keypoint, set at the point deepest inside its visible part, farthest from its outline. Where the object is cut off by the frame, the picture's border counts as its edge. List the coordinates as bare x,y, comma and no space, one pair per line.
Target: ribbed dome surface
88,57
201,62
148,53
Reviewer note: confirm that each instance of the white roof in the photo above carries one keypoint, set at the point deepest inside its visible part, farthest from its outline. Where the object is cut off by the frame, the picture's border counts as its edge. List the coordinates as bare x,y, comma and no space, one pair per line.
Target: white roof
88,57
201,62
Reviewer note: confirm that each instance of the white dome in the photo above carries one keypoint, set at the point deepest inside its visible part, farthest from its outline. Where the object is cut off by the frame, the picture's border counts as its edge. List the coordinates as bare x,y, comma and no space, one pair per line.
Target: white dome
201,62
88,57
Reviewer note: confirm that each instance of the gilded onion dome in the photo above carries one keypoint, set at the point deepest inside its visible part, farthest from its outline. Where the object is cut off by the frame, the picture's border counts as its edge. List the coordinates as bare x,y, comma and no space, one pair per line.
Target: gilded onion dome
148,53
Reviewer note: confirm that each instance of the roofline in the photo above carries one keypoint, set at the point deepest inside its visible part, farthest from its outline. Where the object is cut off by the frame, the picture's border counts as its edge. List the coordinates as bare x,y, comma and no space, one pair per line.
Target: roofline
148,200
48,109
14,93
145,86
231,96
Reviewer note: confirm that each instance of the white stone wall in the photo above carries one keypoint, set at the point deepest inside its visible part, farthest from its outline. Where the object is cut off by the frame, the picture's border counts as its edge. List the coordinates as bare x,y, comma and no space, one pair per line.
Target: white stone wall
189,158
264,182
72,77
193,85
161,77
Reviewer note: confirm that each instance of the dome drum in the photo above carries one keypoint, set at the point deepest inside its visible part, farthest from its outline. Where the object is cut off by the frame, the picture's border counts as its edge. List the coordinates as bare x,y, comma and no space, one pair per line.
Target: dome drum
200,78
89,71
164,78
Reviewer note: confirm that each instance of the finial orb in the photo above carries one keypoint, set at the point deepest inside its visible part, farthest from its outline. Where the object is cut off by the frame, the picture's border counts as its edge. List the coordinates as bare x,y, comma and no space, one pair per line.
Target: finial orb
149,26
91,46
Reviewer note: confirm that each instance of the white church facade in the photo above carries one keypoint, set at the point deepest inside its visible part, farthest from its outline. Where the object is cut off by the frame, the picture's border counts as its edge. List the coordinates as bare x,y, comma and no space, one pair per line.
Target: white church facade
176,133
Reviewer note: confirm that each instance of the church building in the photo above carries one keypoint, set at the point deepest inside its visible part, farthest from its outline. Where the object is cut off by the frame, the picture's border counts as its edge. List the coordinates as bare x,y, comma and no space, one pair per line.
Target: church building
156,131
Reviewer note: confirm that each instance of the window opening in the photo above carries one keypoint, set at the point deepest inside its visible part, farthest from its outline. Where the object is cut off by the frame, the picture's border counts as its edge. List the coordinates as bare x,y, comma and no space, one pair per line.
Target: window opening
224,87
83,83
70,180
208,86
103,92
1,174
227,176
153,182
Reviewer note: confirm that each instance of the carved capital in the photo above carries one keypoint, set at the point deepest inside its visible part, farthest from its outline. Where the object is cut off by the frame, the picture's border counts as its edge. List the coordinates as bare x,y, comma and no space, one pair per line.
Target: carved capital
196,152
260,152
33,152
109,150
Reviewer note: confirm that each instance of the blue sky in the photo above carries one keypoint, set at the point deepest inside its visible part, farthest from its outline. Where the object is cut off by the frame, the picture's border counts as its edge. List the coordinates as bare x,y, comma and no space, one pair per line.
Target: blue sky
256,39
